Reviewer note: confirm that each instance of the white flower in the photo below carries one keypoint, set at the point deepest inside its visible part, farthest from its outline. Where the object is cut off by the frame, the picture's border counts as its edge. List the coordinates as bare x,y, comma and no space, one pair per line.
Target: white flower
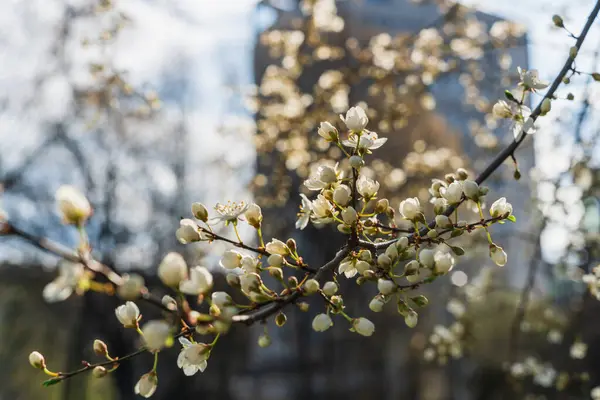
73,205
231,259
363,326
392,252
530,79
385,286
323,210
439,205
341,195
426,258
147,385
155,334
356,119
453,193
172,269
502,110
201,281
366,141
199,211
304,214
349,215
347,267
500,208
187,232
410,208
498,255
230,212
193,357
36,359
545,377
366,187
522,122
376,305
328,131
69,276
578,350
362,266
276,246
444,262
324,177
254,215
330,288
322,322
221,299
595,393
131,286
128,314
471,189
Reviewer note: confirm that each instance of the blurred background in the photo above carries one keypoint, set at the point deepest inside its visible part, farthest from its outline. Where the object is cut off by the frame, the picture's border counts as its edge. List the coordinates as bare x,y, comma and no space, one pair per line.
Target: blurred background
148,106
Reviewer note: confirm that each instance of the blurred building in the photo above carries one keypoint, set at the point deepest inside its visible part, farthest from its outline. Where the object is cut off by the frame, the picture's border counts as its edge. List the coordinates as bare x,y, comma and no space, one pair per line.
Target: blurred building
339,365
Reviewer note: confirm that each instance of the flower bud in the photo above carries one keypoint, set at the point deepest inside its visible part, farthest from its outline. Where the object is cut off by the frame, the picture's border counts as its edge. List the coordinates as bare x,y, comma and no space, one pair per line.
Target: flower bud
444,262
276,246
501,208
402,243
321,323
439,205
411,319
187,232
100,348
356,162
169,302
231,259
292,281
442,221
546,106
233,280
356,119
392,252
362,266
381,206
384,261
311,286
420,300
337,301
558,21
386,286
254,215
303,306
330,288
147,385
573,52
280,319
291,244
276,273
264,341
365,255
200,212
275,260
36,359
349,215
363,326
432,234
471,189
570,96
411,268
426,258
131,287
99,372
155,334
73,205
498,255
345,229
410,208
328,132
376,305
462,174
172,270
341,195
128,314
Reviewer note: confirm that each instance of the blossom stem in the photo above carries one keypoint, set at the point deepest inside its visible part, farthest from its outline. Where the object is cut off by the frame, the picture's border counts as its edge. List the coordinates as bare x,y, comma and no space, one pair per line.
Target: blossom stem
155,362
237,234
489,237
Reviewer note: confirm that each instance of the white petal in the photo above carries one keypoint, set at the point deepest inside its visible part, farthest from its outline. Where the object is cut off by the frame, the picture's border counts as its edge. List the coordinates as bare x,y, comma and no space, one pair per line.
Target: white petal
184,342
190,369
202,366
189,287
180,359
302,222
350,272
377,143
